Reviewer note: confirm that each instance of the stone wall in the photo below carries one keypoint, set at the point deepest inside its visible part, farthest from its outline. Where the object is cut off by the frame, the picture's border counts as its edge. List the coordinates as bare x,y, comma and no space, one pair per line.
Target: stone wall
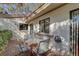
13,25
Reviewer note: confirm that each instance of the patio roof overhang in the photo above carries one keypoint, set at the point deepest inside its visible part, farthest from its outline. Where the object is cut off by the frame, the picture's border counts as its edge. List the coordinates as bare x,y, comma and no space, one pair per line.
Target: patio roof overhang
16,10
11,16
46,8
10,10
43,9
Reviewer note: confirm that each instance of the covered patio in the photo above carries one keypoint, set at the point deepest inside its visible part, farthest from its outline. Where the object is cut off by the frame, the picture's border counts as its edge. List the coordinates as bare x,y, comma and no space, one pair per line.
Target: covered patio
32,36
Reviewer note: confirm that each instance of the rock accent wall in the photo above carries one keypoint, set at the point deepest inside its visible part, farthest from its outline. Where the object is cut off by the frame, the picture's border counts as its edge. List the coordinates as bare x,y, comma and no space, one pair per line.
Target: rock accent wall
13,25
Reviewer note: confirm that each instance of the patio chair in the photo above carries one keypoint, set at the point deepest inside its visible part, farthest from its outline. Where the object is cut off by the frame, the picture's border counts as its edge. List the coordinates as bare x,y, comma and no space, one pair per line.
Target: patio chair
22,47
43,47
33,49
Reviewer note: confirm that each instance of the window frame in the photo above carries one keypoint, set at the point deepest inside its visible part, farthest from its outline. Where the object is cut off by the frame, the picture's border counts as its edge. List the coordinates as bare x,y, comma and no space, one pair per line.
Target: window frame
31,28
21,25
43,29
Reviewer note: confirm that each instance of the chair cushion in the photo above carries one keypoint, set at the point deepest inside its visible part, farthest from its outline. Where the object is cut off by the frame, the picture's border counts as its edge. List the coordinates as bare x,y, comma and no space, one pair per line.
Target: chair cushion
43,47
22,48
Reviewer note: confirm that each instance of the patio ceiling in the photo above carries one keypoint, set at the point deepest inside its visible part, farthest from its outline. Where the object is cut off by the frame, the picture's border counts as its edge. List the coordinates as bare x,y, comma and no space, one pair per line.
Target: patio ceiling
46,8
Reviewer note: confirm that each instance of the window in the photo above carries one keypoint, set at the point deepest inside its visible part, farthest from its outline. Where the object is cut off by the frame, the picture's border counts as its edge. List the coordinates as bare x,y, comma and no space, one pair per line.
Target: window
31,28
74,34
23,26
44,25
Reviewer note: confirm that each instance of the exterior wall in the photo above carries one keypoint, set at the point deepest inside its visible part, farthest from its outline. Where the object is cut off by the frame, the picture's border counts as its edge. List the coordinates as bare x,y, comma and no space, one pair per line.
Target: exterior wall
58,24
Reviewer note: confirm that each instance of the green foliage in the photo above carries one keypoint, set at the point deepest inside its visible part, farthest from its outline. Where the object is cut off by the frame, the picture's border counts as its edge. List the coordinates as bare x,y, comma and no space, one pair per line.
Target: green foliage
4,37
10,8
1,9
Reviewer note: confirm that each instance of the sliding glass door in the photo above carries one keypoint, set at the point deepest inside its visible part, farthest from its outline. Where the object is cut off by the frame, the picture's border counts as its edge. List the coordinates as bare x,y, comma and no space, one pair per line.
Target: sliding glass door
74,32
